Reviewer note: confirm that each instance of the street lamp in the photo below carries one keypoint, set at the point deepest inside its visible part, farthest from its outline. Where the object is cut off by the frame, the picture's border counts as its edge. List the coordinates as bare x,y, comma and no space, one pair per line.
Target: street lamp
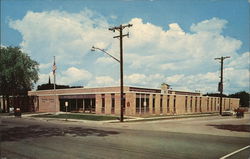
96,48
120,37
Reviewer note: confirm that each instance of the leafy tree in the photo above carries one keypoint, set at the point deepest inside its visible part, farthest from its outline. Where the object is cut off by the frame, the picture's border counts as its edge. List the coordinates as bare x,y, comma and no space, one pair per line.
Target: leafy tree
18,73
215,95
243,95
244,98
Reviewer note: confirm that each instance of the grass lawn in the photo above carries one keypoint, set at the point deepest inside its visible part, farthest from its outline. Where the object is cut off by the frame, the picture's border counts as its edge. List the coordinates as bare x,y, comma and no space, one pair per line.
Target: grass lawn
4,114
77,116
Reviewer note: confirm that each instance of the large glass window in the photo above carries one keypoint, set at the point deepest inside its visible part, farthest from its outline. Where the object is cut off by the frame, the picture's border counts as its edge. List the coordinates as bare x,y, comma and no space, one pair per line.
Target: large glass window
153,104
211,104
215,104
195,106
191,104
174,104
186,108
207,104
161,104
142,103
168,100
200,103
112,103
103,103
224,104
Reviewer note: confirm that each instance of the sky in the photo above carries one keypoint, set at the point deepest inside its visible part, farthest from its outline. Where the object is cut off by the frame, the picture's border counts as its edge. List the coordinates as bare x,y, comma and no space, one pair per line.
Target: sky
171,41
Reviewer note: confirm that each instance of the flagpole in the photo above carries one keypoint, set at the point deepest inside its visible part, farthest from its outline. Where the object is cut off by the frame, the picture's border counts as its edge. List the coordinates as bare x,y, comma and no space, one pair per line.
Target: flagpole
54,73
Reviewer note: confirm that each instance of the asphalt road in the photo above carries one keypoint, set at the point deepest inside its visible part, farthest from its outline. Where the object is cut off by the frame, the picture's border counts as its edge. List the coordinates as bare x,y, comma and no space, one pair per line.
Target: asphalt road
36,139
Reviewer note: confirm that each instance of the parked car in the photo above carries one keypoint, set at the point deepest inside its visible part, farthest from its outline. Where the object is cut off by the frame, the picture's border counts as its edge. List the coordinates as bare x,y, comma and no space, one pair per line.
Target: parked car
239,112
11,110
228,112
18,112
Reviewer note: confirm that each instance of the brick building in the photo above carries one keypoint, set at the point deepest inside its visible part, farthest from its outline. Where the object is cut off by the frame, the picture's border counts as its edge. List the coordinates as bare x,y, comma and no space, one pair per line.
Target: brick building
138,101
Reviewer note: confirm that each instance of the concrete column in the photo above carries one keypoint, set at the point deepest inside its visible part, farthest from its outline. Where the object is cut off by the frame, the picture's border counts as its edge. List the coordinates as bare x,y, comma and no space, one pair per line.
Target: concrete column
171,104
117,104
108,103
180,104
98,103
157,104
164,104
130,103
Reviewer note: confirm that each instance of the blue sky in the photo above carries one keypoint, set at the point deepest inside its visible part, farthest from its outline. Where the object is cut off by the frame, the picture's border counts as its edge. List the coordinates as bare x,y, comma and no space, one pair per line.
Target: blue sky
172,41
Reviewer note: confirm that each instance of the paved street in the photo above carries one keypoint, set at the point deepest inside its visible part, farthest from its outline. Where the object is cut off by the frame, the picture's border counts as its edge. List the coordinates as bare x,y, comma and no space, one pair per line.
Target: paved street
205,137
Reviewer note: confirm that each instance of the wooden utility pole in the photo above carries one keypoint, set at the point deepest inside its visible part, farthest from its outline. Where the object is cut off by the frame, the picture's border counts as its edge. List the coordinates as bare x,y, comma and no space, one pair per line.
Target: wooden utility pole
120,36
220,86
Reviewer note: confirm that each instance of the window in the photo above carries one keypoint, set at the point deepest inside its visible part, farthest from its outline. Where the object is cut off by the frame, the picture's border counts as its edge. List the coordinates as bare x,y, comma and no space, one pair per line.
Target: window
161,104
224,104
103,103
191,102
142,103
200,103
137,105
186,103
147,103
123,103
195,107
112,103
168,98
153,104
214,104
174,104
211,104
207,104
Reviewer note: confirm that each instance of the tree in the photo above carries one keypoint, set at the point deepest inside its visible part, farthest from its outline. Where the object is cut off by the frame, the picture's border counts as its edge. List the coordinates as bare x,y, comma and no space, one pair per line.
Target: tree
244,98
18,73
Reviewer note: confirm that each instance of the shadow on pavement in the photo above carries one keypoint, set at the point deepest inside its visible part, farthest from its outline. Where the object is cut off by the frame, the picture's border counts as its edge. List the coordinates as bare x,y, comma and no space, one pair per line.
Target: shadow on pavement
239,128
36,131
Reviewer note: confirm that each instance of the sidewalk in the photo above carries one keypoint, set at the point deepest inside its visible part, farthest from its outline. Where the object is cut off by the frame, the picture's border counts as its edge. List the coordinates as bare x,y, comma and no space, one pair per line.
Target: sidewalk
129,118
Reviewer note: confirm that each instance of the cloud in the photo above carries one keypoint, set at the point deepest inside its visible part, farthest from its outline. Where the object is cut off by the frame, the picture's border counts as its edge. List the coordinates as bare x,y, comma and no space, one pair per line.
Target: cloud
214,25
152,54
138,79
103,81
150,46
105,60
240,62
72,75
61,34
45,66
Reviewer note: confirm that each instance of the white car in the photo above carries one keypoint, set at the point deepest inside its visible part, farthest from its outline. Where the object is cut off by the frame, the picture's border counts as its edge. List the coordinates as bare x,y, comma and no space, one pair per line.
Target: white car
228,112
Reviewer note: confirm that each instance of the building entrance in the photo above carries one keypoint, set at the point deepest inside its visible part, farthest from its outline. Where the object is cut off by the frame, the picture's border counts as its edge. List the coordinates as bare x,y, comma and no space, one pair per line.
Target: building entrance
78,103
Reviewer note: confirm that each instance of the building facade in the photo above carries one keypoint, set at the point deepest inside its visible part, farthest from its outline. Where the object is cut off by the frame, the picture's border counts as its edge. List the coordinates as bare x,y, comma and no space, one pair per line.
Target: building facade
138,101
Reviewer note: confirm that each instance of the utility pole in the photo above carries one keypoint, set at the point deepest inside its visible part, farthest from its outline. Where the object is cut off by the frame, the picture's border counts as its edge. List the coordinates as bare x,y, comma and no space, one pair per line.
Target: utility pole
120,36
220,86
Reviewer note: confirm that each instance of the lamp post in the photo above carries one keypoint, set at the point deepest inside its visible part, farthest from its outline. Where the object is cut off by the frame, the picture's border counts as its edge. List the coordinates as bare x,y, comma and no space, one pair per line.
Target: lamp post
120,37
96,48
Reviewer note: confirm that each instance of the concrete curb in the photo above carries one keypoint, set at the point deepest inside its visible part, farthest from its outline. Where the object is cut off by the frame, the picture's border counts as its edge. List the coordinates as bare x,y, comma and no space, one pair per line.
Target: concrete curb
132,119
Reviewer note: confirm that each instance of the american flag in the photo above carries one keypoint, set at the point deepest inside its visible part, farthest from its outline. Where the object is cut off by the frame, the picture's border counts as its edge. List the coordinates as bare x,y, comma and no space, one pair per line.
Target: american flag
54,68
